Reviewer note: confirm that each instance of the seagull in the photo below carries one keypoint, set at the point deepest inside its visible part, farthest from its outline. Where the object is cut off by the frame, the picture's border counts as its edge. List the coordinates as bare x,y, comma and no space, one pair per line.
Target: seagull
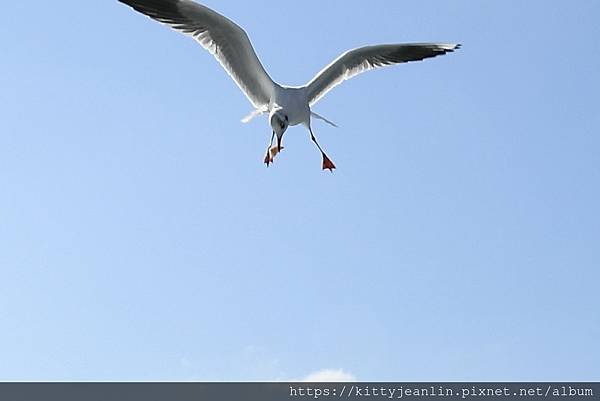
286,105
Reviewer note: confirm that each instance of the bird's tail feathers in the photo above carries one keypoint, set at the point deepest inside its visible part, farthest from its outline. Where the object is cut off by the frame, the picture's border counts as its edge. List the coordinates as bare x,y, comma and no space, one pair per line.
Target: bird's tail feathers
315,115
253,115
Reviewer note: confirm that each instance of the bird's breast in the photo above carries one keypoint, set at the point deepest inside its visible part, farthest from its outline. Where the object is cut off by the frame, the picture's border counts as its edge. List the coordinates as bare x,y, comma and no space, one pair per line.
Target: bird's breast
295,105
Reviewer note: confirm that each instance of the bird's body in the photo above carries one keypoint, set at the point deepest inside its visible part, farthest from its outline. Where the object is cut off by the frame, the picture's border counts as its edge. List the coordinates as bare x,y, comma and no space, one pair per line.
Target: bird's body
293,103
286,106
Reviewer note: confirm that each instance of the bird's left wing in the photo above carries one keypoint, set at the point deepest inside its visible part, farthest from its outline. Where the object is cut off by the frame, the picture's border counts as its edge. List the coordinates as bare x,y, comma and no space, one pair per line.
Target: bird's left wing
367,58
221,37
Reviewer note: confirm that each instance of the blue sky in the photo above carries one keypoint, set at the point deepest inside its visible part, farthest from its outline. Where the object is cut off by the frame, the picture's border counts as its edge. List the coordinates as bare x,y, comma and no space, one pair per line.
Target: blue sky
142,238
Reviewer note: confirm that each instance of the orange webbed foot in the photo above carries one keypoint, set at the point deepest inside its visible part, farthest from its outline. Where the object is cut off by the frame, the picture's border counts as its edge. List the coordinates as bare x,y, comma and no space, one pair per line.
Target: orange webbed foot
268,159
271,154
328,164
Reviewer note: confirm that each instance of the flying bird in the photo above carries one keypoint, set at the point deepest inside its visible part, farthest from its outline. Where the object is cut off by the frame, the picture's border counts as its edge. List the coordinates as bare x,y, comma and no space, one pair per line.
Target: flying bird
286,106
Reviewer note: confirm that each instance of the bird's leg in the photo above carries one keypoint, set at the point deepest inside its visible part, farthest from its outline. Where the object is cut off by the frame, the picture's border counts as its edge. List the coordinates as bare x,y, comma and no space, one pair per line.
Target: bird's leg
327,163
273,151
268,157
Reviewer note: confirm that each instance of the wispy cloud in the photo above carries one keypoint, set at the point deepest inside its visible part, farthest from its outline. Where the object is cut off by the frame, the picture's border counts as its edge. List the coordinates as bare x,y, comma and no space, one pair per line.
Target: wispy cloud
330,375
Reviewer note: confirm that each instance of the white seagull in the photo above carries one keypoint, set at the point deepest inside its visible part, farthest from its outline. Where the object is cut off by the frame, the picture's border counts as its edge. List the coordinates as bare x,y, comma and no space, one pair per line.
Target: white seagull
287,106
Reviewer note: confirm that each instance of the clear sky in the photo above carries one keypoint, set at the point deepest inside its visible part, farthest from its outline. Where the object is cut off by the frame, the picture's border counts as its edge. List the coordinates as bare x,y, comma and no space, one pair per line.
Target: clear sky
142,238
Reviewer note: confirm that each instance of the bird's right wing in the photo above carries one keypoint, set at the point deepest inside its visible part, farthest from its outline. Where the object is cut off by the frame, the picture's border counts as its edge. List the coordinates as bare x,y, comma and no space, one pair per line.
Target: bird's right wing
221,37
367,58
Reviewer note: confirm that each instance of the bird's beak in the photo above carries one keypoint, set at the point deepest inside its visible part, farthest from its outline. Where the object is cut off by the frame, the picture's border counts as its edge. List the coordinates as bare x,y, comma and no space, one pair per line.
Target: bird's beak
279,143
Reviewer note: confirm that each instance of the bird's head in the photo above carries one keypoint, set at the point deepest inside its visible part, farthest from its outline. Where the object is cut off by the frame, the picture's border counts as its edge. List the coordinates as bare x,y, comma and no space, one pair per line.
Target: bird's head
280,123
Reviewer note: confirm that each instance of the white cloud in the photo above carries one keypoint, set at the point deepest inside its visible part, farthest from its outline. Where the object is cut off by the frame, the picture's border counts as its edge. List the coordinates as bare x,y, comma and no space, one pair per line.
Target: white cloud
330,375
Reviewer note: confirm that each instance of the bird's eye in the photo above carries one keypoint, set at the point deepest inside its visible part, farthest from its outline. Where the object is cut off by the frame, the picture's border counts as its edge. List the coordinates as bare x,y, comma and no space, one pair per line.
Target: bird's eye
282,125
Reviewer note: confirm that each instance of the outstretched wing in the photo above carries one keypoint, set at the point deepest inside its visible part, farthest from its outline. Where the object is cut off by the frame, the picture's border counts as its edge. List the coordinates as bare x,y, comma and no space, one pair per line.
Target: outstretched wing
221,37
367,58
